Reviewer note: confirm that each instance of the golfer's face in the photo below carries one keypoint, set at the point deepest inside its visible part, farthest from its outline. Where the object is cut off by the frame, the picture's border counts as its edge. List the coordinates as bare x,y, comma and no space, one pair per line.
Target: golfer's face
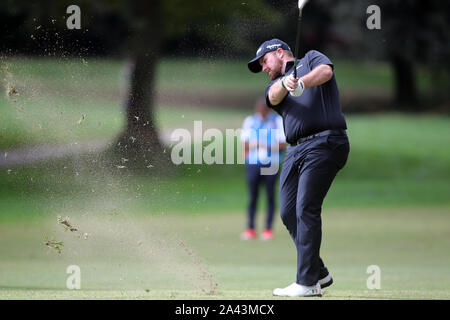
271,65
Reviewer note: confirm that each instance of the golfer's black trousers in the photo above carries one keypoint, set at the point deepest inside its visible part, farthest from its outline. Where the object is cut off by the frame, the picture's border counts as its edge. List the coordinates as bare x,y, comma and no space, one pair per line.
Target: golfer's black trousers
307,173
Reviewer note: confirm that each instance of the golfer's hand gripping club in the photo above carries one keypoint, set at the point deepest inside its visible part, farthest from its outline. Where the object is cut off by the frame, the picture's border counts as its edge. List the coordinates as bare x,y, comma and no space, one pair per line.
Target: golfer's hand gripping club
295,86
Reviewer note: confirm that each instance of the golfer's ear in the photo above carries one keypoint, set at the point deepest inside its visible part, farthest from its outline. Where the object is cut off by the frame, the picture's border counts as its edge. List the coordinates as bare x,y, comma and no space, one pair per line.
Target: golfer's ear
280,52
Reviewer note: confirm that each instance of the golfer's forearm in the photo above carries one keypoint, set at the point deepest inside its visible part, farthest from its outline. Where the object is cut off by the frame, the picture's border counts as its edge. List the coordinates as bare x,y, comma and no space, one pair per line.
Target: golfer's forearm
317,76
277,93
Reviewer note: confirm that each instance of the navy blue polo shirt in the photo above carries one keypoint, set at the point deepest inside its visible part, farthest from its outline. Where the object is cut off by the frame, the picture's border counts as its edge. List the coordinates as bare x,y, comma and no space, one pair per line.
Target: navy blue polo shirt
317,109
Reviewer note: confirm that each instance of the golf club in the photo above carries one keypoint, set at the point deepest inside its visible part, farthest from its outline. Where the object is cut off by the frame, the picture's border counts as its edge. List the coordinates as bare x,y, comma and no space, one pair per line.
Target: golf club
301,4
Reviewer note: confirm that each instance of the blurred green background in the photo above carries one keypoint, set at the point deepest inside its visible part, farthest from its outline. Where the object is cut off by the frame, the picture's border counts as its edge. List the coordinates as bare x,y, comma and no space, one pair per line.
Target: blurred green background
389,206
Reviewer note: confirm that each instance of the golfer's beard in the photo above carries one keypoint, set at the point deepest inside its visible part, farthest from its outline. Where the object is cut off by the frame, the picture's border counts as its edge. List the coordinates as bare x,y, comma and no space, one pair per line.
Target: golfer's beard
275,74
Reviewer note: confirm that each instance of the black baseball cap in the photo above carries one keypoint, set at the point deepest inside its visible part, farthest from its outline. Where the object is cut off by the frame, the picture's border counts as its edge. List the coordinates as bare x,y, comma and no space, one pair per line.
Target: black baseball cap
267,46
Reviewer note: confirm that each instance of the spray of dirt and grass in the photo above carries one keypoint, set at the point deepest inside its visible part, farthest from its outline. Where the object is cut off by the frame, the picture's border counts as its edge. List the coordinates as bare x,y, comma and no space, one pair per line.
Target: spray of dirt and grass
92,227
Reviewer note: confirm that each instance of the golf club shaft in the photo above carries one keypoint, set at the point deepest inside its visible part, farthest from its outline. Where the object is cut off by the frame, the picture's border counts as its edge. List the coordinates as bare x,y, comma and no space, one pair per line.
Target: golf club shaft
297,41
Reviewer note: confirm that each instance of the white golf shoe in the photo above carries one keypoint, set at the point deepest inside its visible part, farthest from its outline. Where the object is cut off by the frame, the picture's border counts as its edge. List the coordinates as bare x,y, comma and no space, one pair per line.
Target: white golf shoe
298,290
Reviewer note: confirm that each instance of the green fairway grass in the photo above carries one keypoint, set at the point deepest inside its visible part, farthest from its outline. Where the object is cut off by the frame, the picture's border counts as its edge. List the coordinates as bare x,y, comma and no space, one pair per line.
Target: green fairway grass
201,257
395,161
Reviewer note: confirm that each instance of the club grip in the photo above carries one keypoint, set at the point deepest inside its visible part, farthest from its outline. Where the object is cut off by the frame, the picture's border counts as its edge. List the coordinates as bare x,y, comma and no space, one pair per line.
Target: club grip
295,68
297,41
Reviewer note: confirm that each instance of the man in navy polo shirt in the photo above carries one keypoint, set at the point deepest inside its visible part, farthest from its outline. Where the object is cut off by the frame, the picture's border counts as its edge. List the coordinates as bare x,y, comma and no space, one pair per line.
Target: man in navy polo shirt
315,129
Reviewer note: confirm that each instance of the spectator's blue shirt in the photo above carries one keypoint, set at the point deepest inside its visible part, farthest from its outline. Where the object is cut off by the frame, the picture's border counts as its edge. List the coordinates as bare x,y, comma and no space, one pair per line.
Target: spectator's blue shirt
261,134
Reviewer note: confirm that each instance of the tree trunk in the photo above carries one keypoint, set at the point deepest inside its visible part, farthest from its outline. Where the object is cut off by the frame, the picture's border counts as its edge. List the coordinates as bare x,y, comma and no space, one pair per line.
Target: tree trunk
405,88
139,145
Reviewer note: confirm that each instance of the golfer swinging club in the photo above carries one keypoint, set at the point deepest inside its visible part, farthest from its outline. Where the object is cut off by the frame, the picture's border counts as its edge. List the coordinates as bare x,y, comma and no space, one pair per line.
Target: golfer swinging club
315,129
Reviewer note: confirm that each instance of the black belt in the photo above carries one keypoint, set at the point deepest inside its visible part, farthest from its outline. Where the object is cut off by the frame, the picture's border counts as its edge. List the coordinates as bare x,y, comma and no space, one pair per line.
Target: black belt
338,132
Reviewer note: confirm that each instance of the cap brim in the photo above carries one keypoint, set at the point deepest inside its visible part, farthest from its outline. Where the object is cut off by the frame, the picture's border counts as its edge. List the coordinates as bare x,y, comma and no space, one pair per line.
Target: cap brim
254,65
